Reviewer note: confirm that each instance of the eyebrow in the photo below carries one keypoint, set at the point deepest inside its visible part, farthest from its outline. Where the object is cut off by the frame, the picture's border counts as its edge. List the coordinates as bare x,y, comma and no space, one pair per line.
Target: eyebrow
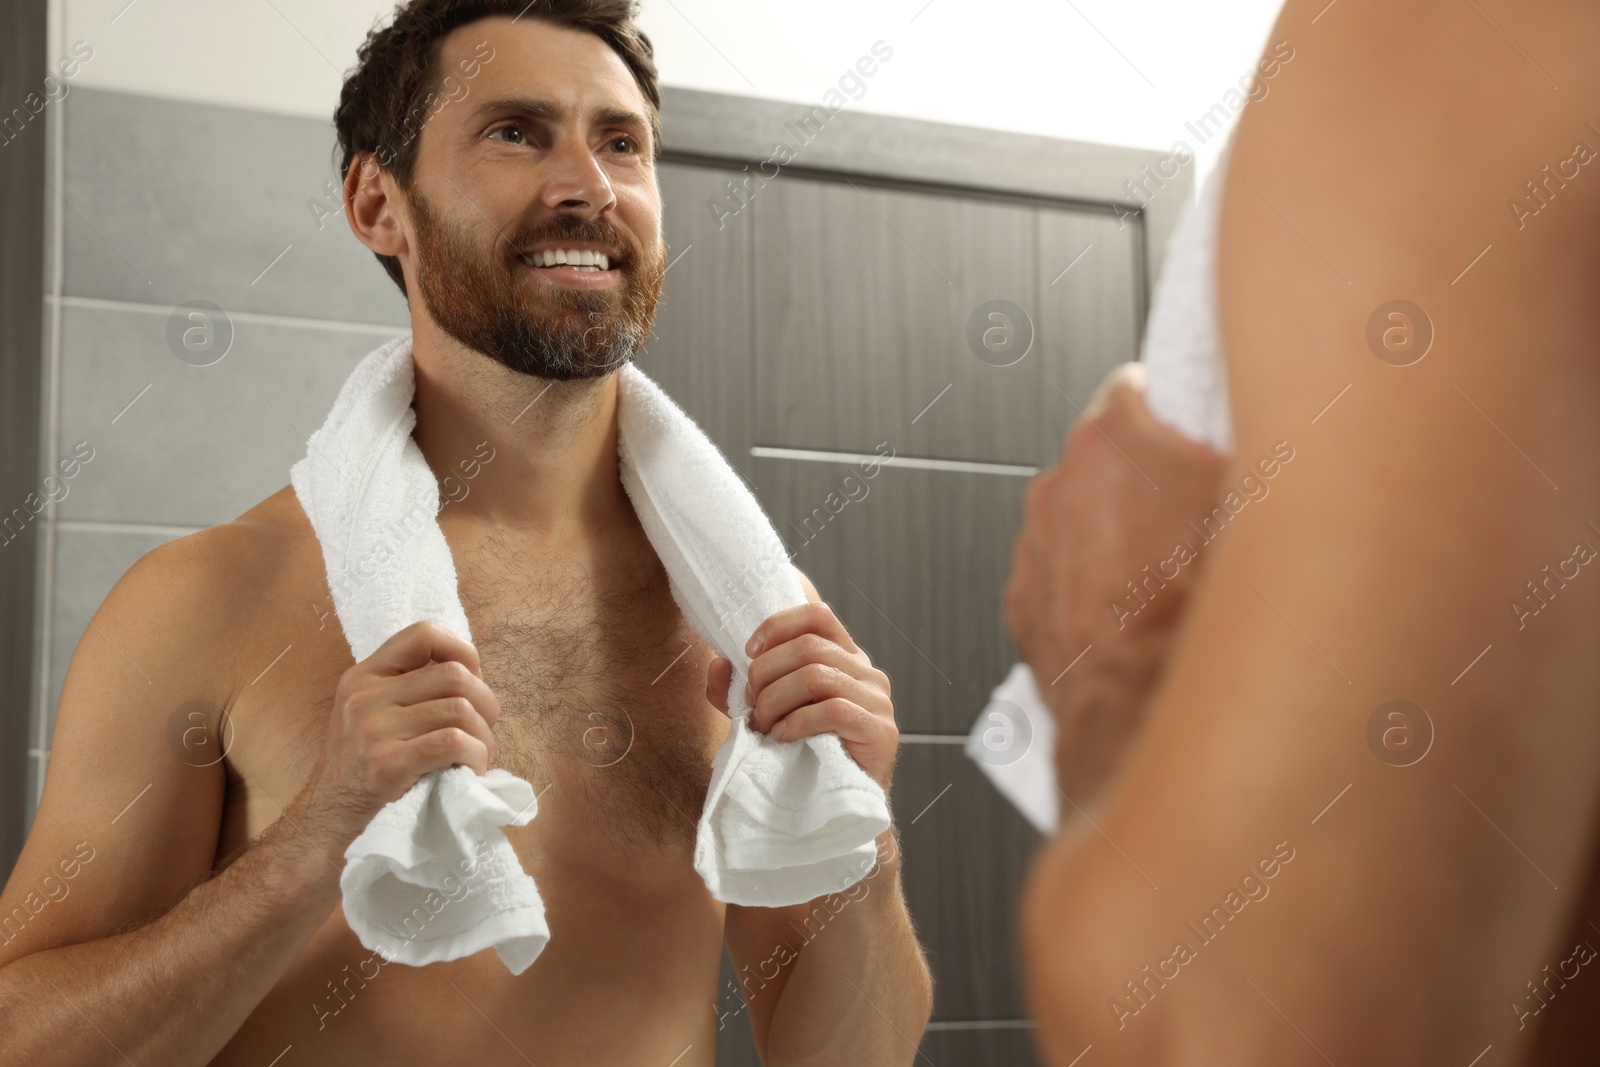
546,110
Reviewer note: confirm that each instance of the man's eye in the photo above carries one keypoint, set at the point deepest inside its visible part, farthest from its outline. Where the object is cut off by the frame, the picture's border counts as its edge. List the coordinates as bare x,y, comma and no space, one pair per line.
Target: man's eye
502,129
626,144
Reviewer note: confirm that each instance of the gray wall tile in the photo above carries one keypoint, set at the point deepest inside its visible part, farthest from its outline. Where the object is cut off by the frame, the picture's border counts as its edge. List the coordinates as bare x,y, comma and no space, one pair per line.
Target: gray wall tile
174,200
202,444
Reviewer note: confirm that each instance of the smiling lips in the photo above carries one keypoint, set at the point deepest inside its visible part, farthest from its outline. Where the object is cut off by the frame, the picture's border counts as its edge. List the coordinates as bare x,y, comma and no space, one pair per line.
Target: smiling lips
581,260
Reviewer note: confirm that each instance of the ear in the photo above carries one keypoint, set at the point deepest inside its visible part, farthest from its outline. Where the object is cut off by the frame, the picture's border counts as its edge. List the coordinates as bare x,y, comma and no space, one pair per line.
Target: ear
373,206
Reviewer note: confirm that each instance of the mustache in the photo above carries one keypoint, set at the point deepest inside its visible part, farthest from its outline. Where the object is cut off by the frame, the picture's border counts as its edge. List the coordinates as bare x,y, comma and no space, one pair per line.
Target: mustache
565,227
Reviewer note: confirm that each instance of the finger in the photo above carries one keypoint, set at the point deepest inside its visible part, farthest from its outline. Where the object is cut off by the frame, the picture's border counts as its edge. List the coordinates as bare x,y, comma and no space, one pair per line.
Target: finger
448,679
719,675
1121,382
814,617
837,715
444,748
792,655
419,643
814,683
418,720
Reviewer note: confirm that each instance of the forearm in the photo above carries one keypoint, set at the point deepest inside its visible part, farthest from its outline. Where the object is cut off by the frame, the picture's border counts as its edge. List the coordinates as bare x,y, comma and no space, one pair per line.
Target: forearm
173,991
860,991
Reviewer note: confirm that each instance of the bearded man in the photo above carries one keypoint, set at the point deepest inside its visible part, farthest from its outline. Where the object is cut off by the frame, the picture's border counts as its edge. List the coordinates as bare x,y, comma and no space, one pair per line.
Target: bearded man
522,219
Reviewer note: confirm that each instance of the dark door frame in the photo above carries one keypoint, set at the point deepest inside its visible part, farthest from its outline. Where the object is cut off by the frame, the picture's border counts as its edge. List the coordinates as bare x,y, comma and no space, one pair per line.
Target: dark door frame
23,32
743,133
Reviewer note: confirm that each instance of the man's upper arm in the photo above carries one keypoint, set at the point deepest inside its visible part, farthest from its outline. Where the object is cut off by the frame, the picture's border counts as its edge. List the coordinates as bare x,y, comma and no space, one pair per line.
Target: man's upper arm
1420,502
130,814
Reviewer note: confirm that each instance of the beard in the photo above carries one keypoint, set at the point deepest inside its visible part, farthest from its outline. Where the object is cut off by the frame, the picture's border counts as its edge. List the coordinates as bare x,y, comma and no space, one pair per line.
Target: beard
483,299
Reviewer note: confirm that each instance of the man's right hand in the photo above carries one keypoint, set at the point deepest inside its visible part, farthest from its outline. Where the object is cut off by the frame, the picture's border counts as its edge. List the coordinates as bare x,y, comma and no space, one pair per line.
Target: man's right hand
1116,503
417,704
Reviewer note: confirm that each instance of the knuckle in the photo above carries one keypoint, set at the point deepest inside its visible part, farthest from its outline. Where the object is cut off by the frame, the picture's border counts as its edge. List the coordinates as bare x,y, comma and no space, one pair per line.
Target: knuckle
454,671
383,765
347,694
817,676
814,644
1125,385
365,732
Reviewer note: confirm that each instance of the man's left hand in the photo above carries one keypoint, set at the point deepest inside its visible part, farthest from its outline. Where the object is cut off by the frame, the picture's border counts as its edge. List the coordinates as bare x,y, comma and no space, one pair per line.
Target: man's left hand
808,677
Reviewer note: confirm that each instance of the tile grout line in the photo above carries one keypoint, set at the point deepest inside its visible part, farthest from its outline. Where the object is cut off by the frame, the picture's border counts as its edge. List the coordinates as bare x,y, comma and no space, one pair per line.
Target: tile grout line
113,526
263,318
46,614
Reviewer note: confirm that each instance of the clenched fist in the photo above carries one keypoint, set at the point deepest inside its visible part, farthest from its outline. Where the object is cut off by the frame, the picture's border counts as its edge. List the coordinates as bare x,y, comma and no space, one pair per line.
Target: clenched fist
417,704
1116,502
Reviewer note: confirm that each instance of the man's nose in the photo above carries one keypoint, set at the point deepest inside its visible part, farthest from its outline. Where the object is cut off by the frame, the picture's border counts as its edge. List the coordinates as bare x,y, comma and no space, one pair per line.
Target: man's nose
577,183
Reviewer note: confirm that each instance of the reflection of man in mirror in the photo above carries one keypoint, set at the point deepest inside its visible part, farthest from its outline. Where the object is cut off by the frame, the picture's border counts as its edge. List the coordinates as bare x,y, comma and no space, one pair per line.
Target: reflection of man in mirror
500,161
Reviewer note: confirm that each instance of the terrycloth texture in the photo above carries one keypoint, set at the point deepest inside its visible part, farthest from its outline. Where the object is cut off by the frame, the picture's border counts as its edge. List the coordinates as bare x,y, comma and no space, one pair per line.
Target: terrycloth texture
784,821
1186,387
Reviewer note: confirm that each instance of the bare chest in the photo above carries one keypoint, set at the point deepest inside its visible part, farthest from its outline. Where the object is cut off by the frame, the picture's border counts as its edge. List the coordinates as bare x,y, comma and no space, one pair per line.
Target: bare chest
602,688
603,707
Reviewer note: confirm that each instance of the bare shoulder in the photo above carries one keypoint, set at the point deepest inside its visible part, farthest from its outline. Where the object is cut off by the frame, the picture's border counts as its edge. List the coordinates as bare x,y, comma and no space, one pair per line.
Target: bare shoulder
130,815
199,593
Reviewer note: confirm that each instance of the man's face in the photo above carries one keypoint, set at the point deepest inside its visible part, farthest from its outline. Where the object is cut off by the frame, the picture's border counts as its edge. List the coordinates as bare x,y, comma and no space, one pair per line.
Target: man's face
544,157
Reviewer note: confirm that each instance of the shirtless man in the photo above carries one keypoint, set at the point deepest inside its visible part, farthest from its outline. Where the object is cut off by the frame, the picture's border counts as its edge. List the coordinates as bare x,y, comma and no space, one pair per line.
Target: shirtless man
1342,890
216,749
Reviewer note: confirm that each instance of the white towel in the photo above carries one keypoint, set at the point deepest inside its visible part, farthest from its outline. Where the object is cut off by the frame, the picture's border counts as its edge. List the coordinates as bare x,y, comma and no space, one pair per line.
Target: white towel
784,821
1014,741
1186,387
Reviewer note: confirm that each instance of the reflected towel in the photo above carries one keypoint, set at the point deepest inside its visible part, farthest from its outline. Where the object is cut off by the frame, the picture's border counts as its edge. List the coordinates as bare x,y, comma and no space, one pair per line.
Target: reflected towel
783,822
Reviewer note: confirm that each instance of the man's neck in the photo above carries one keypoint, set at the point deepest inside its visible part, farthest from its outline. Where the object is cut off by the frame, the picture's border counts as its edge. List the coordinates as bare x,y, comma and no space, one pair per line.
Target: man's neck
554,443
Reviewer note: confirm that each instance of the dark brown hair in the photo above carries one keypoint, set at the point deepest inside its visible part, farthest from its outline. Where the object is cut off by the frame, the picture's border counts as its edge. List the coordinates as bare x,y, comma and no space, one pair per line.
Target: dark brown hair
384,100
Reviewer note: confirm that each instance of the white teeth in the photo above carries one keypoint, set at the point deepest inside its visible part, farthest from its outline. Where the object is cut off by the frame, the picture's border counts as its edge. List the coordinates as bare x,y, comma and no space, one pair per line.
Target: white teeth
574,258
